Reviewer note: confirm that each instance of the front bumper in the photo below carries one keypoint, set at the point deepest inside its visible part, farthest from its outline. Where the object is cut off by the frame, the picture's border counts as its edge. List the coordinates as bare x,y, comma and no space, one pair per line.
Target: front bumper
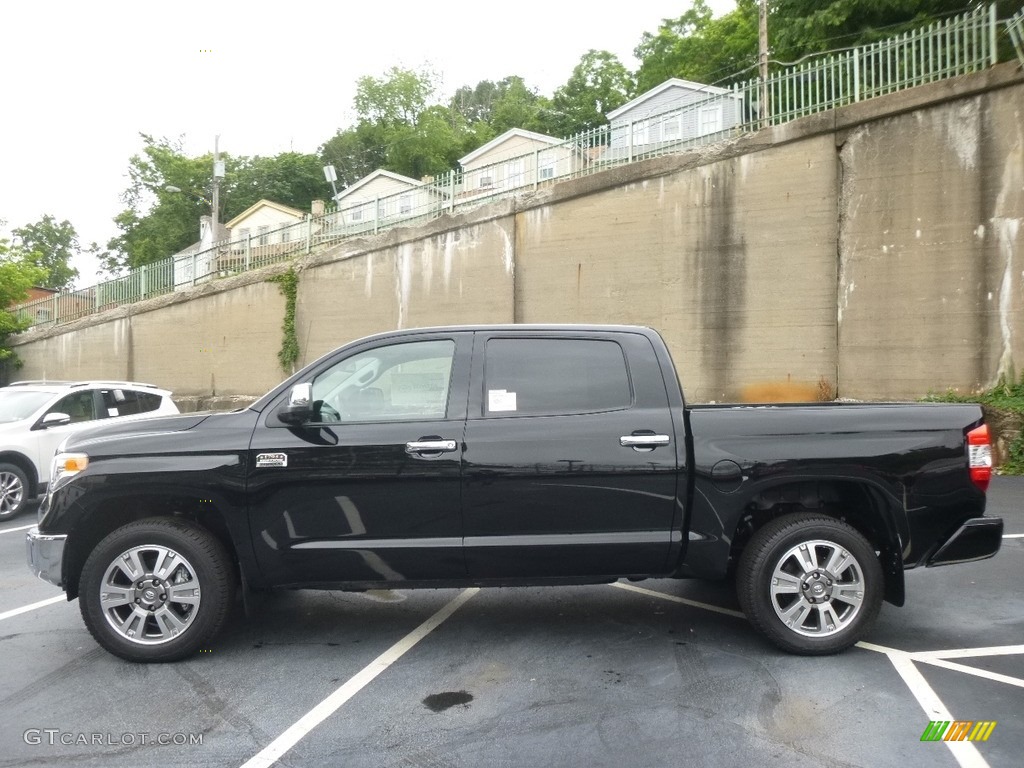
977,539
46,555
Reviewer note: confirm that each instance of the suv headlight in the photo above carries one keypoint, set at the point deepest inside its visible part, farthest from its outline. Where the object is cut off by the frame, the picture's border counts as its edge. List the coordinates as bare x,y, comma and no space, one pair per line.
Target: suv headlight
66,466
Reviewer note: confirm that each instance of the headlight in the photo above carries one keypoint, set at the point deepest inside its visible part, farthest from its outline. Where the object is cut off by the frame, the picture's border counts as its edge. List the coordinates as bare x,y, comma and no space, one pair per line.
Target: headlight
67,465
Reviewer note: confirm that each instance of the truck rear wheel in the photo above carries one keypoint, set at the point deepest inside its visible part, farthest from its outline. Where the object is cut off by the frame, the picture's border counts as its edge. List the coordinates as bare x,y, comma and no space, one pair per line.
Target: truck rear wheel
812,584
156,590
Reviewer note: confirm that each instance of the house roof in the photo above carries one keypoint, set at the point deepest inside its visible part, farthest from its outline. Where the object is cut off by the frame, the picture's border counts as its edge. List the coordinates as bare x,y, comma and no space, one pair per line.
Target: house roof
286,209
376,175
674,82
511,132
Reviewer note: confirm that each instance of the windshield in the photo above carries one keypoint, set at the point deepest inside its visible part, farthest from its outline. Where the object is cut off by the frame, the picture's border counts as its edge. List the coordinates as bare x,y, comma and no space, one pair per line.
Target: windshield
16,405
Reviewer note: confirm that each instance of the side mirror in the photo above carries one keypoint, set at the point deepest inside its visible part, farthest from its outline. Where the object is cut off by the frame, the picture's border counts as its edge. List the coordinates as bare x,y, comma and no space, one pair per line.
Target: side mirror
55,420
299,409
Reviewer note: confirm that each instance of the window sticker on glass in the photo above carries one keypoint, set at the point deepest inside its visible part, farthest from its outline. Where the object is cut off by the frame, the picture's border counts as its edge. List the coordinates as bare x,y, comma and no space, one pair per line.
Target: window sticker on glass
500,400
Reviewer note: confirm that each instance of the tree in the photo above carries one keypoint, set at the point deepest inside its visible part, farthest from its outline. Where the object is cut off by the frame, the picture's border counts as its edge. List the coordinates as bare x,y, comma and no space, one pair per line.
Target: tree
291,178
475,103
51,246
395,99
598,84
17,275
798,28
518,106
354,153
697,47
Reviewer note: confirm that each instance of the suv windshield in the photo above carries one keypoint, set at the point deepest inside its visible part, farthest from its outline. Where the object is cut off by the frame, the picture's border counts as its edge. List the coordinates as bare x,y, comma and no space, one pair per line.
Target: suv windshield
16,405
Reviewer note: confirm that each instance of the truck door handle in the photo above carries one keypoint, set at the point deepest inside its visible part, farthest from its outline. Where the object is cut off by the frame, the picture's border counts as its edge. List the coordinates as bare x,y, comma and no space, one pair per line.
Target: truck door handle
430,446
643,443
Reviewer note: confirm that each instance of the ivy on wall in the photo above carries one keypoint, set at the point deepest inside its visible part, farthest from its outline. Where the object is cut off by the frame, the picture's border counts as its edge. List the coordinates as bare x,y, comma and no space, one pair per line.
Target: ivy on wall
288,355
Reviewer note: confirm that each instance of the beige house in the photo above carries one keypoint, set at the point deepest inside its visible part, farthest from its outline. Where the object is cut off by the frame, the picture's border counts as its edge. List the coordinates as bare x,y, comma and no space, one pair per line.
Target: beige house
265,222
383,197
518,158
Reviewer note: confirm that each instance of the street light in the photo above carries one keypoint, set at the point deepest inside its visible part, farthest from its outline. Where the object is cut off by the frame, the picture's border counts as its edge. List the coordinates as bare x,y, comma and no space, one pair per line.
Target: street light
172,188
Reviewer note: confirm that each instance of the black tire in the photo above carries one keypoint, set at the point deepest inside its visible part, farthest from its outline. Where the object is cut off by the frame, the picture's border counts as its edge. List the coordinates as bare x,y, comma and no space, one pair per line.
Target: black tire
154,626
831,600
13,490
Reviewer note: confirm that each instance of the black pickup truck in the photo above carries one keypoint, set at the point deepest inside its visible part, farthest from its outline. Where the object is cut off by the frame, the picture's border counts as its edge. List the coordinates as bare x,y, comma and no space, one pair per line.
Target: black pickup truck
509,455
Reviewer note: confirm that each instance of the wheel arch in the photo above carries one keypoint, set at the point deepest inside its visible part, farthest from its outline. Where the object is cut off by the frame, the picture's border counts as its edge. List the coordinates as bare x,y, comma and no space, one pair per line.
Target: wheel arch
114,513
862,505
26,465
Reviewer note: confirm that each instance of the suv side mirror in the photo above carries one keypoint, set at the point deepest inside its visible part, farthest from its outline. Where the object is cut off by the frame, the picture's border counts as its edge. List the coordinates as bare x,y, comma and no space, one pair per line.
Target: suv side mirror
55,420
299,409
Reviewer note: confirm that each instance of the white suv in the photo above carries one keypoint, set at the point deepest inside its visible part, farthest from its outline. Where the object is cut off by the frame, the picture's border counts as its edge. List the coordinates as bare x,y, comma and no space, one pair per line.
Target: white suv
35,416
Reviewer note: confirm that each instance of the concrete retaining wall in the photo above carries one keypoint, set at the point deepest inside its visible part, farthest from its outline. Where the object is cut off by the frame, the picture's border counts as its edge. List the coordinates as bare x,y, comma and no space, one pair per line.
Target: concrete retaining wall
873,251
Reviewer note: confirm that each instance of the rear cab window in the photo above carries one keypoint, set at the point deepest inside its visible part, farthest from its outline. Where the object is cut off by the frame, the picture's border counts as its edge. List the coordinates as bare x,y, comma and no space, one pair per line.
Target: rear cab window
540,376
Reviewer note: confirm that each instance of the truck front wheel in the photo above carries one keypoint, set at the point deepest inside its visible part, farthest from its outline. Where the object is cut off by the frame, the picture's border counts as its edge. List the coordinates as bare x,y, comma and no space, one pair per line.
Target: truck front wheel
812,584
156,590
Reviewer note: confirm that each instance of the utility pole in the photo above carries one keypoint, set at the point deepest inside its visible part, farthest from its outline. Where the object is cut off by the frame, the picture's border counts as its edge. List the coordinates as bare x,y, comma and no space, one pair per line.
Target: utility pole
218,174
762,61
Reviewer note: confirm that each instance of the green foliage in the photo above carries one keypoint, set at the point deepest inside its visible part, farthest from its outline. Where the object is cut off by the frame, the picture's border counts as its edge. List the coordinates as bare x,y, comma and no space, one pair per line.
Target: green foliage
50,246
17,275
599,84
518,106
288,355
698,47
798,28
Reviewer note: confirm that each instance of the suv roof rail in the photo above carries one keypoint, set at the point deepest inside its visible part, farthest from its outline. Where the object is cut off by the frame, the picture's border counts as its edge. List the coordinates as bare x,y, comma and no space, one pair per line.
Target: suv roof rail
111,383
90,383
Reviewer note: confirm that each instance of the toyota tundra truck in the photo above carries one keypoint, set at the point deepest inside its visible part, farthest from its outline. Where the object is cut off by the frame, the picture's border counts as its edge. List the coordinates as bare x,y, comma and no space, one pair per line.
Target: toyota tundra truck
503,456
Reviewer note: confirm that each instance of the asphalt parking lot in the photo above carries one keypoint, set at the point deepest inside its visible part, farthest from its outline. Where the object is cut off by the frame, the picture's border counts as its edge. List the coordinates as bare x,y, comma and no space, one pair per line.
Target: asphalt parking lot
660,673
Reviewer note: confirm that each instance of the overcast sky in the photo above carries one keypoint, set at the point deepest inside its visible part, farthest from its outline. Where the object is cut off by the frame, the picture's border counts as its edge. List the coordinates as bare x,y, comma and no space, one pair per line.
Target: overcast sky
81,80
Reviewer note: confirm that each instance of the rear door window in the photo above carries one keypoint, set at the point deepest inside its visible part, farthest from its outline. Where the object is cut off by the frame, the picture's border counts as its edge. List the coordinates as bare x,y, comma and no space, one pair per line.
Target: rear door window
544,377
128,402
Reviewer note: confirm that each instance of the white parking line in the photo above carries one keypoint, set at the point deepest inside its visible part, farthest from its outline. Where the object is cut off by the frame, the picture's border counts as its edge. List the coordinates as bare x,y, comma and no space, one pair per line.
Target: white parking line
674,599
1013,535
273,751
32,607
13,530
973,671
964,752
966,653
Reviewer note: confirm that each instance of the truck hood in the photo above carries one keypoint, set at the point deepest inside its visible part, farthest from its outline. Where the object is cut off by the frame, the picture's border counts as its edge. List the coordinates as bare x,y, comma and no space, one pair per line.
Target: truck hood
153,426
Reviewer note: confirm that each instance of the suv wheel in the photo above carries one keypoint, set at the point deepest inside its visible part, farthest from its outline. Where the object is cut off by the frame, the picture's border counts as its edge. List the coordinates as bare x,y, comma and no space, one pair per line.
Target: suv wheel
156,590
13,490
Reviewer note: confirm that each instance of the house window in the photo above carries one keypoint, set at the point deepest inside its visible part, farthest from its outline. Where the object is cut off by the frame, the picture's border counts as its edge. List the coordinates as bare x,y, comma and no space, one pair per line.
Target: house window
405,204
486,182
709,120
262,232
670,128
356,214
513,173
546,167
286,232
243,234
382,209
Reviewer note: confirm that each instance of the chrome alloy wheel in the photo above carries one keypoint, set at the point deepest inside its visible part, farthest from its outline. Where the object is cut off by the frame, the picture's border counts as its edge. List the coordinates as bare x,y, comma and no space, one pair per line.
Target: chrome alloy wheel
150,594
817,588
12,493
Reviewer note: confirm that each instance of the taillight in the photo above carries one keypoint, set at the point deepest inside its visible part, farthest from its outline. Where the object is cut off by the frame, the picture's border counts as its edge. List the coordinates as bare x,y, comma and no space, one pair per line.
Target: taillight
979,452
